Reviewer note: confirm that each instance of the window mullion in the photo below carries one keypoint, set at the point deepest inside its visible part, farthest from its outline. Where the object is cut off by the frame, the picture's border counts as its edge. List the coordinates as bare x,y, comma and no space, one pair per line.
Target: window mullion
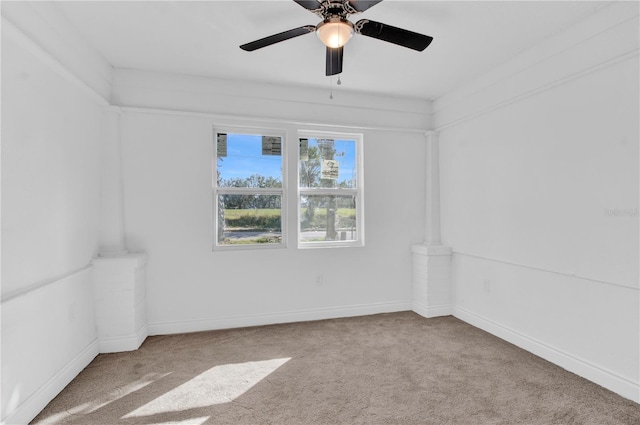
249,190
328,191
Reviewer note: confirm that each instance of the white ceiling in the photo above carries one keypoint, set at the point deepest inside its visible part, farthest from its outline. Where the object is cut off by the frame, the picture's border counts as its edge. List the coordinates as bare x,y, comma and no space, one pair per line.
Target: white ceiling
202,38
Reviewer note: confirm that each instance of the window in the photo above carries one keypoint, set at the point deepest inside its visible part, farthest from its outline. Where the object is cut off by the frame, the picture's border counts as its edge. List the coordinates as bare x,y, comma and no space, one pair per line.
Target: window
248,189
330,205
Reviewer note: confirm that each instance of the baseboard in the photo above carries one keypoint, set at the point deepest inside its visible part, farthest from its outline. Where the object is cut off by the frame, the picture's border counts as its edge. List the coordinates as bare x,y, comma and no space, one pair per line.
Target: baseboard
431,311
618,384
124,343
165,328
29,408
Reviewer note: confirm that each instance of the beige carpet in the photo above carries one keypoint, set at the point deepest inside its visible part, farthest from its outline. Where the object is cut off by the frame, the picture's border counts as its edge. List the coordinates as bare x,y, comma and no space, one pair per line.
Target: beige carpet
384,369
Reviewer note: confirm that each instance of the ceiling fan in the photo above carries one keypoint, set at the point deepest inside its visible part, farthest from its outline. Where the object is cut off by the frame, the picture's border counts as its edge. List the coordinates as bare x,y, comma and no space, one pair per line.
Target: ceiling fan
336,30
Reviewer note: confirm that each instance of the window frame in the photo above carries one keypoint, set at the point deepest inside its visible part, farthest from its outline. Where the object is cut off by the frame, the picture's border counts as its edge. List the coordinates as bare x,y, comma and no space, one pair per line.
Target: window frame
357,192
281,191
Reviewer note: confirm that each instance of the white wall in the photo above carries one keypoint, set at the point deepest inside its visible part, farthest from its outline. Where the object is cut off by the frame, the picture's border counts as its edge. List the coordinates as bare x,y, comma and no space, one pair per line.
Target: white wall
50,215
534,156
167,160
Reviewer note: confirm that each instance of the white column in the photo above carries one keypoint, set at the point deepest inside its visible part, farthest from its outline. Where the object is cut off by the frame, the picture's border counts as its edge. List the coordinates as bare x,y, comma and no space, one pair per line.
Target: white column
432,215
119,277
432,260
112,242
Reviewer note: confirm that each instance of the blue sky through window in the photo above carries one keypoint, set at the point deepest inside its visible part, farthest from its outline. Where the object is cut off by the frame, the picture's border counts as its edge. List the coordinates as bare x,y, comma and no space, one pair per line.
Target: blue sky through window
345,155
244,158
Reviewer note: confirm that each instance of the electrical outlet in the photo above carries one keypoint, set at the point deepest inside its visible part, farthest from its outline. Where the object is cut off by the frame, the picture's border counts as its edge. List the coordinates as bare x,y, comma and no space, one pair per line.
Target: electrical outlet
486,285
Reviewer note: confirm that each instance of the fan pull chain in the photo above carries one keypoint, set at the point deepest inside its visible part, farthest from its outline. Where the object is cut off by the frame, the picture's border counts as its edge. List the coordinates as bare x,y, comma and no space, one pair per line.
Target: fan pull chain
331,87
339,82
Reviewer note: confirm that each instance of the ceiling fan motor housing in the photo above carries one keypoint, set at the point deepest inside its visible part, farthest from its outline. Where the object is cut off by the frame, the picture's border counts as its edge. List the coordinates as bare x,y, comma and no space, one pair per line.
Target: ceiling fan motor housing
335,8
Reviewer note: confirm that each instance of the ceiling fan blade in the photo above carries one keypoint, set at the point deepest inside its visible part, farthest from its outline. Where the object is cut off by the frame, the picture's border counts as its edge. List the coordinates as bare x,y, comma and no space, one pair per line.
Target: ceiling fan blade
276,38
312,5
334,60
362,5
394,35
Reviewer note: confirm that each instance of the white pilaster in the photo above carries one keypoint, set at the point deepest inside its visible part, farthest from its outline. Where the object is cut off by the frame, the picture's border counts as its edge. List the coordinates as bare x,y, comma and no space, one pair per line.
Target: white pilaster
112,242
432,260
119,276
432,210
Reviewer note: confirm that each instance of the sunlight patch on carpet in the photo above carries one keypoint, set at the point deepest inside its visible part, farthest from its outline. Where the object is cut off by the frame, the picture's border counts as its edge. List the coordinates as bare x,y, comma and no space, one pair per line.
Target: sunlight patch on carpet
218,385
100,402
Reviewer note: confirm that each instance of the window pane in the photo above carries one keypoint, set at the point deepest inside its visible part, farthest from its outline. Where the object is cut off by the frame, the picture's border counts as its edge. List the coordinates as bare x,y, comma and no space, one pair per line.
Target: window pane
249,219
328,218
246,160
327,163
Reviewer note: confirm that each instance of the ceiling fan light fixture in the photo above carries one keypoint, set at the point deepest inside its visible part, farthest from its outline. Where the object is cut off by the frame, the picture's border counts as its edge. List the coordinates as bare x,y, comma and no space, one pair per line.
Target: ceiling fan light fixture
335,32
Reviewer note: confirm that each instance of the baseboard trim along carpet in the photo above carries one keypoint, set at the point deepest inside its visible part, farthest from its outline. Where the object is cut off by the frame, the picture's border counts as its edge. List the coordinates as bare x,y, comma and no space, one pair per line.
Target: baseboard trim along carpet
580,367
124,343
29,408
432,311
166,328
